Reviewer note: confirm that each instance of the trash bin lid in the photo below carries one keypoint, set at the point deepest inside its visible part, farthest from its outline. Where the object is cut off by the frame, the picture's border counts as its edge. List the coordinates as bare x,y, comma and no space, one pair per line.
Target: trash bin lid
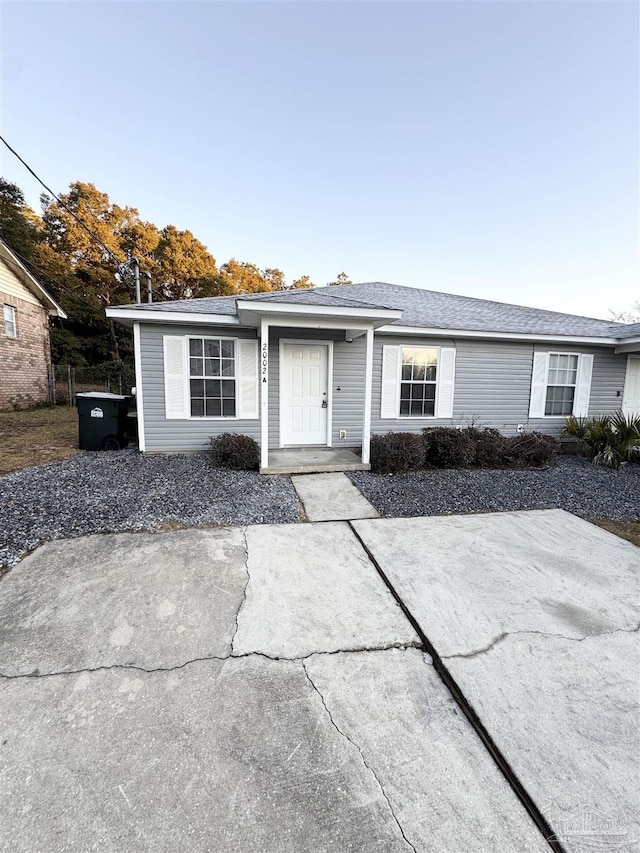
102,395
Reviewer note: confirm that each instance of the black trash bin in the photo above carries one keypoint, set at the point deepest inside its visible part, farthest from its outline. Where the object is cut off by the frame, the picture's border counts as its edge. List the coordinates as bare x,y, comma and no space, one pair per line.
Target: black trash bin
102,421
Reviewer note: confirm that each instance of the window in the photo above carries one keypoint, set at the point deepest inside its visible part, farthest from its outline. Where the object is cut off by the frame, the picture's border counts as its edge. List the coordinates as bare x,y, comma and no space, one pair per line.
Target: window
561,384
212,377
10,328
418,382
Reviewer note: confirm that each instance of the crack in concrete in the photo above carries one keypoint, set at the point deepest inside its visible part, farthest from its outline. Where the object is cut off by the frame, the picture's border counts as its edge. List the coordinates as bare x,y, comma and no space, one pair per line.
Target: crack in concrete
207,658
244,591
361,754
505,634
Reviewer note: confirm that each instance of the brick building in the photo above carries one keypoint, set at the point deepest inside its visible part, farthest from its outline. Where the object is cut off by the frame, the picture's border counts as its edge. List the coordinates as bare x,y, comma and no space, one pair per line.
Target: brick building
25,352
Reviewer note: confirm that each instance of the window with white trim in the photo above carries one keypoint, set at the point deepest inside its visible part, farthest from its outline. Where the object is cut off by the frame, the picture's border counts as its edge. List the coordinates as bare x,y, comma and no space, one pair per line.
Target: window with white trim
10,326
418,379
212,377
562,377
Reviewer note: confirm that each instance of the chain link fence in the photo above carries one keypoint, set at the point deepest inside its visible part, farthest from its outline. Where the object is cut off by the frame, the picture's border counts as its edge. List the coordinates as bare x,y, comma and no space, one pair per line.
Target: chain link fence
67,381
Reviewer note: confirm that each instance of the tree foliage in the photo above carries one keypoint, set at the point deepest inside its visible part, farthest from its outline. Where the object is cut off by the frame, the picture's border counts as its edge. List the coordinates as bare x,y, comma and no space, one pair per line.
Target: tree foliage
341,278
81,250
243,277
18,222
302,283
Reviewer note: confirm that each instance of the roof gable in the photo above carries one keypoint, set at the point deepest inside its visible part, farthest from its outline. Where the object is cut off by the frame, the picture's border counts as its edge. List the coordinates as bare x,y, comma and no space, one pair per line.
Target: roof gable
19,270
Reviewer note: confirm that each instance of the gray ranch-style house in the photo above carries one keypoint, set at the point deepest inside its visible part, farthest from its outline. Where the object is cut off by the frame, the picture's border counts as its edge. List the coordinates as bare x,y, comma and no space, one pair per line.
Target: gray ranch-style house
330,366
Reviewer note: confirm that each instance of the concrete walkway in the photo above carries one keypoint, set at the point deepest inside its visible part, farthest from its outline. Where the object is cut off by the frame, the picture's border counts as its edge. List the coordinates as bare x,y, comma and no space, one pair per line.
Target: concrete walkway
260,689
331,497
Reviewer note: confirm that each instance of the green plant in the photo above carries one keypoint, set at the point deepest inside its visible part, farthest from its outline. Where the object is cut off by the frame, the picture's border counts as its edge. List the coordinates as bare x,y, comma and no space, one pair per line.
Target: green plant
530,450
611,440
623,442
230,450
396,452
446,447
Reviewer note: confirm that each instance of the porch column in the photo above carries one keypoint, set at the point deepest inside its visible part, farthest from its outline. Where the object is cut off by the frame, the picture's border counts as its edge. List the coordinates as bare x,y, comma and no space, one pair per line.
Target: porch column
368,381
264,394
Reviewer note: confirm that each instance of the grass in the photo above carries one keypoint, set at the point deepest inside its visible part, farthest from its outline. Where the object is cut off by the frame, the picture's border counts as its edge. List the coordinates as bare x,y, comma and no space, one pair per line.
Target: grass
629,530
35,436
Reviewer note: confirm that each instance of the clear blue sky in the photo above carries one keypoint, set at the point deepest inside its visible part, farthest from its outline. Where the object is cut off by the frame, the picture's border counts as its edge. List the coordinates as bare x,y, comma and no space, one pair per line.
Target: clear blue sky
483,148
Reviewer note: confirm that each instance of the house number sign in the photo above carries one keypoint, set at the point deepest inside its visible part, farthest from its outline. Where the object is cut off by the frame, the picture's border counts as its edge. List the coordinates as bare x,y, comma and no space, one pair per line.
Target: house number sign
265,362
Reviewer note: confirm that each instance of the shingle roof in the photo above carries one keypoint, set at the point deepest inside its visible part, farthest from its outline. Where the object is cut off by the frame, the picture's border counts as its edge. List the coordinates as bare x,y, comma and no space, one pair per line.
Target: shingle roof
421,308
630,331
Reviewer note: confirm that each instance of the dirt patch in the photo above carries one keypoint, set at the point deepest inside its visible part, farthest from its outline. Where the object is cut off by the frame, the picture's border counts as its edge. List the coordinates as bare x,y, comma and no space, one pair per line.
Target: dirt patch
629,530
35,436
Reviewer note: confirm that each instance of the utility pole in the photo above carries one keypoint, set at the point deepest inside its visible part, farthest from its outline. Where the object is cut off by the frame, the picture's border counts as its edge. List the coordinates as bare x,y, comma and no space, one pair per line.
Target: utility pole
136,271
147,275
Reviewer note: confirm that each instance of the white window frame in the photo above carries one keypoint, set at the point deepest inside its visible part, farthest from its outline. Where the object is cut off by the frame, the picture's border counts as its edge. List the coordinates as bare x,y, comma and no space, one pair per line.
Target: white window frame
434,416
189,377
548,385
10,315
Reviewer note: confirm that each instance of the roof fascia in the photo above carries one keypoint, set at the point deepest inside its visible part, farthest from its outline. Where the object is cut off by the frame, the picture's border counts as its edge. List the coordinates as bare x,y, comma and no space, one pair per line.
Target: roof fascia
189,317
503,336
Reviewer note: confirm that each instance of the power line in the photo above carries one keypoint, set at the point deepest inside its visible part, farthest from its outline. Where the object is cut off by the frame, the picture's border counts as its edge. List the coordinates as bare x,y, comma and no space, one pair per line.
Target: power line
60,202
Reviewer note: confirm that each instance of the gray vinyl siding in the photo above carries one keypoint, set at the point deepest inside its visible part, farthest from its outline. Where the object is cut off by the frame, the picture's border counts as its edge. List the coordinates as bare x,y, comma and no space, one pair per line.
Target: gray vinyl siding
493,385
193,435
181,435
348,376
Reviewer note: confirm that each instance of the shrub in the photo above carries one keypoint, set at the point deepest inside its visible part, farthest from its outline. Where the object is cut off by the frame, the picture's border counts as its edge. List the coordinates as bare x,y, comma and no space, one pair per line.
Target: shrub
446,447
230,450
530,450
396,452
611,440
489,445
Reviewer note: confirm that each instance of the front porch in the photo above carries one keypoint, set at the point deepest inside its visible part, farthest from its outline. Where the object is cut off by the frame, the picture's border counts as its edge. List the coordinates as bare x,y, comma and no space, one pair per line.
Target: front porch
313,460
315,381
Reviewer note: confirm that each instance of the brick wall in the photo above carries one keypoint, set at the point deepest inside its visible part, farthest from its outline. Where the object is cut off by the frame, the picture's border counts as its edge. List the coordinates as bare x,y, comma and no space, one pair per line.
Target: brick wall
24,360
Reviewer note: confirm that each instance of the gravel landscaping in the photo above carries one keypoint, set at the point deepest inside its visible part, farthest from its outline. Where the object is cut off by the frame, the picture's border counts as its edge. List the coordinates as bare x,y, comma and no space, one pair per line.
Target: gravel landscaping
587,490
110,492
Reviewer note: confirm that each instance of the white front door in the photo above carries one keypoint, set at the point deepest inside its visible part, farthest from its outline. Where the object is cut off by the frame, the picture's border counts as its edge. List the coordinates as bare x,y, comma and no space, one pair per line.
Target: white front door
304,394
631,398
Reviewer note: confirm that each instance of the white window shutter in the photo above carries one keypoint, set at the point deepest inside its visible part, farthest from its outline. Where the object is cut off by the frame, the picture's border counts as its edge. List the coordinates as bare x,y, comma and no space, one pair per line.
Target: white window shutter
446,381
390,397
583,386
538,385
175,376
247,379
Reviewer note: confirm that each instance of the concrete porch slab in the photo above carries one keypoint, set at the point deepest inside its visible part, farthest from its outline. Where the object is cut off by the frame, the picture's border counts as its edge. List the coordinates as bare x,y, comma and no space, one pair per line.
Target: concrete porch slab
307,460
331,497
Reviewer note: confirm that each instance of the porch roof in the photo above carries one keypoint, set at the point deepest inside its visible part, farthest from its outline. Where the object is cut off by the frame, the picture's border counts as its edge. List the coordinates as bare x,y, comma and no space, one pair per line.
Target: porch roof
317,315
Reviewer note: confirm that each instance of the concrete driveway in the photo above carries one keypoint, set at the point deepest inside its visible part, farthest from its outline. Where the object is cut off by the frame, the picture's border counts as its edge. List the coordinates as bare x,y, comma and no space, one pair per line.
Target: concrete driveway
261,689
